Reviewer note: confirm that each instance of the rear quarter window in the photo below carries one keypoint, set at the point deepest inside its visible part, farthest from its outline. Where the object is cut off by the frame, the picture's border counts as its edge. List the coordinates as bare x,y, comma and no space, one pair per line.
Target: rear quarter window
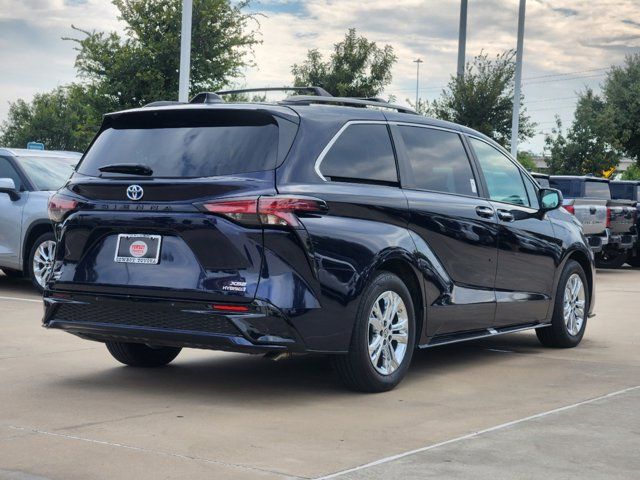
362,153
569,188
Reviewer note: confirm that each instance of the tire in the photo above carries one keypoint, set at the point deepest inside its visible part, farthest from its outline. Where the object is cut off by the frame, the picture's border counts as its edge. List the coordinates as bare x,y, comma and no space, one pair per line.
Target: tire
39,273
139,355
612,258
356,368
634,261
558,335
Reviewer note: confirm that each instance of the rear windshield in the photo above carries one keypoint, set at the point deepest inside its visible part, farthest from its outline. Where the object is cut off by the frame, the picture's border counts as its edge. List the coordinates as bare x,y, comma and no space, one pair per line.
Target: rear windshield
597,190
186,143
569,188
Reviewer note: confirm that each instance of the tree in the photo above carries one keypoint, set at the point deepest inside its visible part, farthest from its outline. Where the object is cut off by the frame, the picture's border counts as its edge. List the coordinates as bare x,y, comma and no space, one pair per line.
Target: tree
527,161
585,148
622,95
356,68
483,99
64,119
143,65
632,173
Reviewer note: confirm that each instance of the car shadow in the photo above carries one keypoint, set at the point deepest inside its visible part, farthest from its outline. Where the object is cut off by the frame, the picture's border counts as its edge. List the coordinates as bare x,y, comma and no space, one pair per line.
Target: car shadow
229,377
16,286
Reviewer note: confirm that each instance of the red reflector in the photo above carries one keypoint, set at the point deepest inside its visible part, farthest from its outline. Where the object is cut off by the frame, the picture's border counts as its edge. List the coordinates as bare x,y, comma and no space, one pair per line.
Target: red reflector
570,209
240,206
230,308
608,217
59,206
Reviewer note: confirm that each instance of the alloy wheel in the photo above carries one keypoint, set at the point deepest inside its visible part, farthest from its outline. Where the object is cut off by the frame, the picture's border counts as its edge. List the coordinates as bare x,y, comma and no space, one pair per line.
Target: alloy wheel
388,332
574,304
43,261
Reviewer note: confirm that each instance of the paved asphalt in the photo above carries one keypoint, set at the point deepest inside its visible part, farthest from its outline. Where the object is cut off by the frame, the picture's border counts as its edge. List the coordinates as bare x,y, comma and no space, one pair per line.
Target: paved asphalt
498,408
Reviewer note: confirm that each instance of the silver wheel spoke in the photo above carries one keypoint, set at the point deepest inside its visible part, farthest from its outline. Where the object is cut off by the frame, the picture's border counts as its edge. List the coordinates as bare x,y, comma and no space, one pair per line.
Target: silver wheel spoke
388,332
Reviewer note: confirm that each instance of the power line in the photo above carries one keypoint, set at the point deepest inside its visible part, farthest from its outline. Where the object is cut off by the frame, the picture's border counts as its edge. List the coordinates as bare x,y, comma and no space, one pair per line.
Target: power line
567,73
577,77
542,100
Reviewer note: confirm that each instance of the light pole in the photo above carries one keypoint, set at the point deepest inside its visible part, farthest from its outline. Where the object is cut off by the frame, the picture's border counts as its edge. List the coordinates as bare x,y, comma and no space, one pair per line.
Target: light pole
417,61
515,119
185,51
462,37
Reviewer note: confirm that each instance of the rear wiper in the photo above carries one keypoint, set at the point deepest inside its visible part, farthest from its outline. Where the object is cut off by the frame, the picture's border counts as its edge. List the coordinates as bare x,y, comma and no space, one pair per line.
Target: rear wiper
133,168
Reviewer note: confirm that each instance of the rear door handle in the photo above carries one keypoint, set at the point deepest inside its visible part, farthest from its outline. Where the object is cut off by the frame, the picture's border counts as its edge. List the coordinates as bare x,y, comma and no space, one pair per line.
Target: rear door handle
485,212
505,215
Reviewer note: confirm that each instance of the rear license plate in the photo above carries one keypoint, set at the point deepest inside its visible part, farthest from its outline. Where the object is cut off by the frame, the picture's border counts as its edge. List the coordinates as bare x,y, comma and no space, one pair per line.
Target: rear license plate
138,249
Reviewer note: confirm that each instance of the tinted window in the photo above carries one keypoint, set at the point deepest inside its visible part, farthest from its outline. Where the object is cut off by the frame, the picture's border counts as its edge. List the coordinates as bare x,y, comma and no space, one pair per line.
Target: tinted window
48,173
438,160
623,191
7,171
503,177
542,181
597,190
569,188
187,144
361,153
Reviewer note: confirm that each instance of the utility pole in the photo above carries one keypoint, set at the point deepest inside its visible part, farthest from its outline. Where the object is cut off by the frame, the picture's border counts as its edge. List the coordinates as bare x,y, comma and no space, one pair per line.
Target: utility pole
462,37
515,119
417,61
185,51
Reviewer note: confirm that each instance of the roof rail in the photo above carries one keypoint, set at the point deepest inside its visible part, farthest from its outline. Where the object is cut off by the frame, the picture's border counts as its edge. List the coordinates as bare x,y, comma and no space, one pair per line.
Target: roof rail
347,101
317,91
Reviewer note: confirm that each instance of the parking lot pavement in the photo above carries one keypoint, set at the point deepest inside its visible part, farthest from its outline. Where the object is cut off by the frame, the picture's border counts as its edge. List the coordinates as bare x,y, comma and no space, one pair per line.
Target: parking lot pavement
68,410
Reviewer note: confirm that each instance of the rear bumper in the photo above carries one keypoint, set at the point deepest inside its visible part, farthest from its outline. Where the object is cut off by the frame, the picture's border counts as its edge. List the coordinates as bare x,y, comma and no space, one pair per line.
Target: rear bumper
612,240
260,329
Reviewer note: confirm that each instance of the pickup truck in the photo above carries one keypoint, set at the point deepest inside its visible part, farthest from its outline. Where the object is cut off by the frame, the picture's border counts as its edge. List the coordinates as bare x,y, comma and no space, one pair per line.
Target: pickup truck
629,190
608,224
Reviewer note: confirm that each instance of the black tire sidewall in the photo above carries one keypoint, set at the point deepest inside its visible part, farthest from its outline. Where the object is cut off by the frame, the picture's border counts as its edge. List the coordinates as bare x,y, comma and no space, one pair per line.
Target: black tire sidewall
558,324
360,342
41,239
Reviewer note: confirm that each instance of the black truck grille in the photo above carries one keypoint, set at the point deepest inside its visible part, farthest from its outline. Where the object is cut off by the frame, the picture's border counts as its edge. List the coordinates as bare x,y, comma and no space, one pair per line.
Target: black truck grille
144,317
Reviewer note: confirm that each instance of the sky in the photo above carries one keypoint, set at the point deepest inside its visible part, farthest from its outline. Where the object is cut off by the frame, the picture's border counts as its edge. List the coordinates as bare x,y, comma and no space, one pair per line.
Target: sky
569,44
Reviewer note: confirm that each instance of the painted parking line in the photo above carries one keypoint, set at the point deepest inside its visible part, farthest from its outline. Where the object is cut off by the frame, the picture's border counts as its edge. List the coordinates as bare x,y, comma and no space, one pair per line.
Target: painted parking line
476,434
22,299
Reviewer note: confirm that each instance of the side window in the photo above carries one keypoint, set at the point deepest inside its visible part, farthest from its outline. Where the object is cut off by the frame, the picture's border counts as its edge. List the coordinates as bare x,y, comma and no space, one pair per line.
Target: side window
503,177
438,160
532,192
362,153
7,171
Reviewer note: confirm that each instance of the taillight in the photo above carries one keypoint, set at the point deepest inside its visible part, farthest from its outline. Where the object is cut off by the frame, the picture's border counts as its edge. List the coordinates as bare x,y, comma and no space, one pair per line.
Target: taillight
60,206
608,217
571,209
269,210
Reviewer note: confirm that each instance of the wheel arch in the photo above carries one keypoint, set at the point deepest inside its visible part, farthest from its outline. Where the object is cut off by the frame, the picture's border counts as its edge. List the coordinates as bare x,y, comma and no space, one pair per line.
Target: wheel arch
584,261
408,273
34,231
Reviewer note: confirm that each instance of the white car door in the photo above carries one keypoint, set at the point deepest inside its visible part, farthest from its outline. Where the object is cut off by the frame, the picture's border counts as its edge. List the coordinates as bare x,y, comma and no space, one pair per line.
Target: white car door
10,219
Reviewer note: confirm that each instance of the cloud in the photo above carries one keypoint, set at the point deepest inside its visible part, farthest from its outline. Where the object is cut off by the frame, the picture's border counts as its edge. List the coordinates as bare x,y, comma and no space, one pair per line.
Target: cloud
561,36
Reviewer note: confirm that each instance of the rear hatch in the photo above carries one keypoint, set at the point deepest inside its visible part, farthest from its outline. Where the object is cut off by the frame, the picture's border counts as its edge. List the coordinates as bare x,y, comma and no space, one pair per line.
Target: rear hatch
139,217
591,211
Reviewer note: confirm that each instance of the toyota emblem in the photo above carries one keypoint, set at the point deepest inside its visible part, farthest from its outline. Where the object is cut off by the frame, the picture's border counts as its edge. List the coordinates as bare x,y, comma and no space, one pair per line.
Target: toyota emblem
135,192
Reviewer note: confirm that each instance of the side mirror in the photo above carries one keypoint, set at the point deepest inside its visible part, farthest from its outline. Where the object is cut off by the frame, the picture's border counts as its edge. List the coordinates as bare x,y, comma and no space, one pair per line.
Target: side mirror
8,186
550,199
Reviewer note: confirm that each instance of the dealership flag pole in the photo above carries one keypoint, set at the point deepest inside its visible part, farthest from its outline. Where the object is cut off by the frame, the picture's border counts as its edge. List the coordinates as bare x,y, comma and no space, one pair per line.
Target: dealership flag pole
518,81
185,51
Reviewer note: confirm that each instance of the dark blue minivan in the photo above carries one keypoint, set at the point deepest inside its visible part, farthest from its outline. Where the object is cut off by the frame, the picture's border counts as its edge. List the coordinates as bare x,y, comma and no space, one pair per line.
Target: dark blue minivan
321,224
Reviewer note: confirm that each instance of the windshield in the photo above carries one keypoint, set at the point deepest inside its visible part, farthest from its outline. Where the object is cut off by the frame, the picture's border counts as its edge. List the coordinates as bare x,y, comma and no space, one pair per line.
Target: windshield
48,173
179,146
